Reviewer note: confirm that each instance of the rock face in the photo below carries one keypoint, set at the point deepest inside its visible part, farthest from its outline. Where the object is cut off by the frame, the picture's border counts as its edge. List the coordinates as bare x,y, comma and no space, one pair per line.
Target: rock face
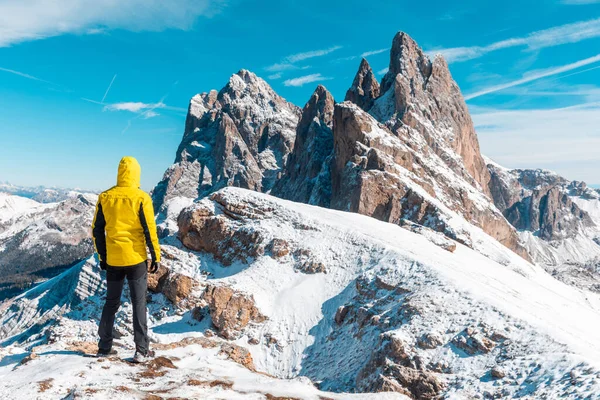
231,311
365,88
422,95
307,177
391,178
215,228
240,136
538,201
393,369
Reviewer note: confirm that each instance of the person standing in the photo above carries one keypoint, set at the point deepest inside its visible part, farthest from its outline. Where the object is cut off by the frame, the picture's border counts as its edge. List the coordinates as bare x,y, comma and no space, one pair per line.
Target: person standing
122,228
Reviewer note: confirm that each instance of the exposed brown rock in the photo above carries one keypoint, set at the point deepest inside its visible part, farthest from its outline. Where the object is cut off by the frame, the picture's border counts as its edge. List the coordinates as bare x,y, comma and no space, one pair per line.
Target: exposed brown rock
425,91
369,177
177,287
430,341
279,248
212,384
307,176
231,311
188,341
45,384
393,369
202,229
308,263
157,280
538,201
238,354
365,88
29,357
473,341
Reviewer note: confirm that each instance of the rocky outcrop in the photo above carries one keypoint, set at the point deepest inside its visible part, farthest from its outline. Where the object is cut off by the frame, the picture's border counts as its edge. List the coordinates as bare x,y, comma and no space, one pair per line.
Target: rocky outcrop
420,96
216,228
393,369
307,177
231,311
365,88
378,174
240,136
177,287
539,201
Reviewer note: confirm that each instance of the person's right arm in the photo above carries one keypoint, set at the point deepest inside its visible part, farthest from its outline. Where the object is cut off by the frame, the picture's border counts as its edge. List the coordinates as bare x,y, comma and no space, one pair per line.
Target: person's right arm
99,235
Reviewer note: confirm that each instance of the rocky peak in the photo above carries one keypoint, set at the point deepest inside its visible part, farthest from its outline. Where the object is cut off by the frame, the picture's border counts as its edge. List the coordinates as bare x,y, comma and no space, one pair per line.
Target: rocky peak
307,177
240,136
421,102
406,59
365,88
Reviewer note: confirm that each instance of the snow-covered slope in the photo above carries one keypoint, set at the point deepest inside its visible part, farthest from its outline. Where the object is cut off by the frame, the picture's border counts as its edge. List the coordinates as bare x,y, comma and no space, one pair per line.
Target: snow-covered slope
350,302
11,205
38,240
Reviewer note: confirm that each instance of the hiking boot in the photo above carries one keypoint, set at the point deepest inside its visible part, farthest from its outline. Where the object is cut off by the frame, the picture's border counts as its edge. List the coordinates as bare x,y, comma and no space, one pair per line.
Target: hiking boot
140,357
106,353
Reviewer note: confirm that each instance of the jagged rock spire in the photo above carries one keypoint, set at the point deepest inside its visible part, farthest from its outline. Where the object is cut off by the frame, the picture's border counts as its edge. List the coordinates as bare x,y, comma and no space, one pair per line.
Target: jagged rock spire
423,96
407,59
365,88
240,136
307,176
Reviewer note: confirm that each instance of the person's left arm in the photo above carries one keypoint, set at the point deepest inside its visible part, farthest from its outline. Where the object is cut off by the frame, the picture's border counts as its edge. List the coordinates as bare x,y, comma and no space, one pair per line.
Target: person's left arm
149,226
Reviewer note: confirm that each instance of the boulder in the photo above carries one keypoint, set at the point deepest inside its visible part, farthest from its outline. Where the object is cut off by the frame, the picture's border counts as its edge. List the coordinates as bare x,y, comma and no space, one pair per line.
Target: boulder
230,310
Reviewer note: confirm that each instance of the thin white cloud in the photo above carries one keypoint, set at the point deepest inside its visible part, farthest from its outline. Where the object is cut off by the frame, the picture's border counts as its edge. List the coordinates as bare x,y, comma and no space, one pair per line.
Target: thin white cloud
294,58
580,2
373,52
23,75
569,33
281,67
134,107
303,80
535,75
108,88
289,62
26,20
561,139
150,114
383,71
275,76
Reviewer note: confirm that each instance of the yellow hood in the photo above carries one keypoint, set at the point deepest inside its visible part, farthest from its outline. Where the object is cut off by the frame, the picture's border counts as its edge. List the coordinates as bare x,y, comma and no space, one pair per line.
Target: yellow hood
130,173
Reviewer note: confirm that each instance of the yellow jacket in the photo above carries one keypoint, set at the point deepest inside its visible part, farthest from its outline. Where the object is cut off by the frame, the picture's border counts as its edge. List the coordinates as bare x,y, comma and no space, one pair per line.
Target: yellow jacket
124,220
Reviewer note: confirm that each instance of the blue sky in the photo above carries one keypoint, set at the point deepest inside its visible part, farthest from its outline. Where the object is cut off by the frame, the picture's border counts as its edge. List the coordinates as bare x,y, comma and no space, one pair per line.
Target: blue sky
83,84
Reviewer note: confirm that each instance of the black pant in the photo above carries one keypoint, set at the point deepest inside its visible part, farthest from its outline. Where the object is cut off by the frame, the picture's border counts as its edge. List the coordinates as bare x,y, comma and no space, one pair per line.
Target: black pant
137,277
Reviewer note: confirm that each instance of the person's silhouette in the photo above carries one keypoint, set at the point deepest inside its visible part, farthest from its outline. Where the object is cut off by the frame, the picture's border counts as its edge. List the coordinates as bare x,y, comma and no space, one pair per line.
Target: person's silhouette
123,226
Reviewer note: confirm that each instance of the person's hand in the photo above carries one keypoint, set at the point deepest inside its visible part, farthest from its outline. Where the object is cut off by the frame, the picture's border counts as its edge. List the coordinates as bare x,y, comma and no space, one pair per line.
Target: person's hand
103,265
154,266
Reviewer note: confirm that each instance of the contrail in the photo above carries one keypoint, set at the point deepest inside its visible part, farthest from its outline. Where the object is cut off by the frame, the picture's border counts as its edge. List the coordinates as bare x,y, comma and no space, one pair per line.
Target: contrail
535,76
108,88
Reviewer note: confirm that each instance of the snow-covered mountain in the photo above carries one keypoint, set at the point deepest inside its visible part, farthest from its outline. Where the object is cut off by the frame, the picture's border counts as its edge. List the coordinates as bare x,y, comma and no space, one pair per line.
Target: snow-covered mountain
363,247
39,240
41,194
349,302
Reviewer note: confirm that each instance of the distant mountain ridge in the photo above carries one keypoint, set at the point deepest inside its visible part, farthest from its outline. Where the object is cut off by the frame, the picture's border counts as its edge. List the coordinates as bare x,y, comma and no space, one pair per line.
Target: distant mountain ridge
41,194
